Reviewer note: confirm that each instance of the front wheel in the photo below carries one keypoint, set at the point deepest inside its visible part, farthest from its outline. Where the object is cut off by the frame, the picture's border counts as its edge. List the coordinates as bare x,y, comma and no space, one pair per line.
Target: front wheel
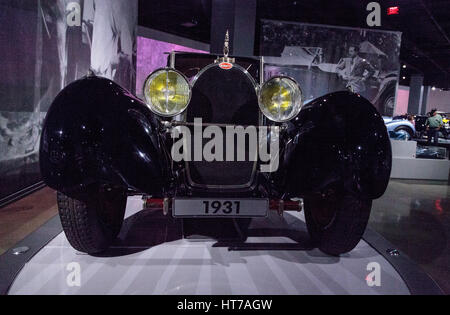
408,132
91,222
335,223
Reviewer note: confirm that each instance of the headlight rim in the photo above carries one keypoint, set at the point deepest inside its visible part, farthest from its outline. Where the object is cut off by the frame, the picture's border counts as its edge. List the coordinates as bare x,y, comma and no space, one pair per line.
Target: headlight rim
151,106
297,110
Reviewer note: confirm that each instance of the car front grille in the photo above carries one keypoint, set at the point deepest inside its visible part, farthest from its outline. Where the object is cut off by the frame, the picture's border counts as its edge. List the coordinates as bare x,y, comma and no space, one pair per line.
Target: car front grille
223,97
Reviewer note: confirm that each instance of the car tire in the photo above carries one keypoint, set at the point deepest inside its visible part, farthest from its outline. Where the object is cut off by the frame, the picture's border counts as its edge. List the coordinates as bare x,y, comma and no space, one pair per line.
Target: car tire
389,105
91,222
386,103
406,129
336,224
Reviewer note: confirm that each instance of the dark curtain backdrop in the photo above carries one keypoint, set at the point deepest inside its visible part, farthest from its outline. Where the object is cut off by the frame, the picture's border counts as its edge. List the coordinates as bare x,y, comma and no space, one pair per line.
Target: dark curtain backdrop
322,59
40,54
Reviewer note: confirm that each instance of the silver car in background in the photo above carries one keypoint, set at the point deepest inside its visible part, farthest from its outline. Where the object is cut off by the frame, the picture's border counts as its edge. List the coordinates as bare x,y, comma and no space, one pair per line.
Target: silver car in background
402,127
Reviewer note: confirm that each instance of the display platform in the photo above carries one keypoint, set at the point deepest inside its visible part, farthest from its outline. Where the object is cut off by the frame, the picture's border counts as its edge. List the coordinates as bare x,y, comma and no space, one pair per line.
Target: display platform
151,257
407,165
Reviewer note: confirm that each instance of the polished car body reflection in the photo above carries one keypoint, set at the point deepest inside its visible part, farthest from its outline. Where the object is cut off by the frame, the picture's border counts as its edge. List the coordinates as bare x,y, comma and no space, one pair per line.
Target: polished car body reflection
100,142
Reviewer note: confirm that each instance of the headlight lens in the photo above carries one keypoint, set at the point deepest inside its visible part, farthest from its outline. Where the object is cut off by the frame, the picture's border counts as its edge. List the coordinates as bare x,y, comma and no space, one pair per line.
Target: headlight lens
280,99
167,92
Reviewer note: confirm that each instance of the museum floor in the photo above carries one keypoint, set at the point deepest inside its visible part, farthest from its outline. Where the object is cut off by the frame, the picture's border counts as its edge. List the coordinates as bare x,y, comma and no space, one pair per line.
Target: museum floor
412,215
415,217
22,217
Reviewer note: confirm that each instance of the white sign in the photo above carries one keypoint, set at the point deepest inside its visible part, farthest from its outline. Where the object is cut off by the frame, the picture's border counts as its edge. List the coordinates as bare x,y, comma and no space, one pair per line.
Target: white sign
373,279
374,17
74,277
74,14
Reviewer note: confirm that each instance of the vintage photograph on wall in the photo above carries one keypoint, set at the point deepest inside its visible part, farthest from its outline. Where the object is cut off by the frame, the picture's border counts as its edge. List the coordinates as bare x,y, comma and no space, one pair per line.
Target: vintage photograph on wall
325,59
59,42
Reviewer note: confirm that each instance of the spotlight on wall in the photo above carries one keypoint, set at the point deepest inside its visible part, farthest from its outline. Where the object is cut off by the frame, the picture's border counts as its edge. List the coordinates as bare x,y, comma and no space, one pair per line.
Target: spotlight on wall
433,88
404,66
404,78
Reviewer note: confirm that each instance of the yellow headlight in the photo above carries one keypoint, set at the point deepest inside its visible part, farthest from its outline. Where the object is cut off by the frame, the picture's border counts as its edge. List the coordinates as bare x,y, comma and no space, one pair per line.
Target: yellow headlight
167,92
280,99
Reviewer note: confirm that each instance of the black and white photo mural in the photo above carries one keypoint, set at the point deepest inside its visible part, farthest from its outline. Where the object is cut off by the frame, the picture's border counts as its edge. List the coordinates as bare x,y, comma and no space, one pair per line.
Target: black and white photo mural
325,59
45,45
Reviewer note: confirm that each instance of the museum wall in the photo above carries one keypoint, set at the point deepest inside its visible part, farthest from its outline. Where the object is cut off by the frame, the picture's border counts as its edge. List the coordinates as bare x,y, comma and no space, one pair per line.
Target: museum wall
45,45
401,107
439,99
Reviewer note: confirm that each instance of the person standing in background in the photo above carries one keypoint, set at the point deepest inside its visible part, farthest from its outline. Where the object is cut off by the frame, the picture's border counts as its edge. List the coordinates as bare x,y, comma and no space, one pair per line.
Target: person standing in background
355,70
434,124
411,119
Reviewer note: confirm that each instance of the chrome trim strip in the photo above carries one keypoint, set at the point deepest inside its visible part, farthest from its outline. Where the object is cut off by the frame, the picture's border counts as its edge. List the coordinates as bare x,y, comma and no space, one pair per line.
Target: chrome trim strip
261,71
172,59
261,83
235,65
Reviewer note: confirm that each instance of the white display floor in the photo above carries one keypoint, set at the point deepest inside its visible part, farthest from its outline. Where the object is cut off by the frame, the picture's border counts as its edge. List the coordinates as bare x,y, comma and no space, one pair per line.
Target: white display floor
151,257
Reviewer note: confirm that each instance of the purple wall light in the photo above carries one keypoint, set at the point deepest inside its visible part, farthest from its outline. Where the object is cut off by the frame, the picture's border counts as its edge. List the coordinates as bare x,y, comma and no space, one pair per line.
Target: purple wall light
151,56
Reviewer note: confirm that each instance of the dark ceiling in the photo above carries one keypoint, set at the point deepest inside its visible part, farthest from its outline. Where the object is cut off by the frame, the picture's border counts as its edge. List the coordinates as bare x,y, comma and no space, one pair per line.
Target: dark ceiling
425,25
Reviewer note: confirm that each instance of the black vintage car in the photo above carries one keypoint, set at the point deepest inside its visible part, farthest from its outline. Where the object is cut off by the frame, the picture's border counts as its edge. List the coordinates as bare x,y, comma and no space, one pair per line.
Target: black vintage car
100,143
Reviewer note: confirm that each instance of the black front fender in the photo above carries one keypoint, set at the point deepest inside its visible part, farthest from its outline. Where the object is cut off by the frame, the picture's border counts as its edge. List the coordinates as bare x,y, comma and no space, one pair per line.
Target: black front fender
97,132
340,141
